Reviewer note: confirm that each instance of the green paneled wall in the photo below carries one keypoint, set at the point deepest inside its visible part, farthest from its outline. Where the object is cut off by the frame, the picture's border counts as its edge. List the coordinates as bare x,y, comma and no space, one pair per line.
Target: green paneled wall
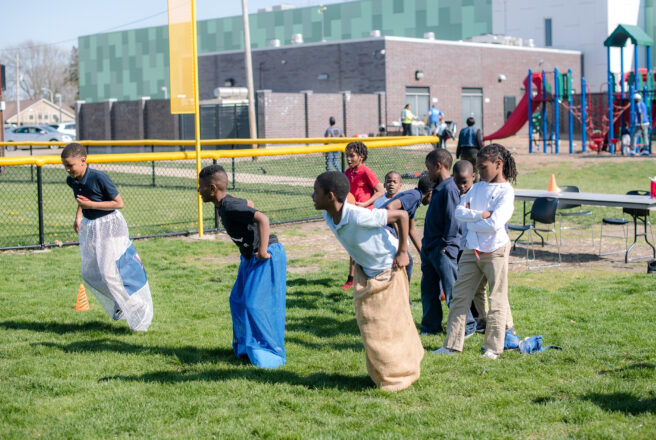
129,64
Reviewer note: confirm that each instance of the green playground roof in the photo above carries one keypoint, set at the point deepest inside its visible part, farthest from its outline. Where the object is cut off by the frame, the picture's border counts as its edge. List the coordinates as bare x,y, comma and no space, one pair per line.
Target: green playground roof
625,31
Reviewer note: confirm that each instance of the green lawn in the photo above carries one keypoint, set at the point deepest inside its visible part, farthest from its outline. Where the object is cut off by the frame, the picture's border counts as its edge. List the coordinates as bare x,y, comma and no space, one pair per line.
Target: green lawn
67,374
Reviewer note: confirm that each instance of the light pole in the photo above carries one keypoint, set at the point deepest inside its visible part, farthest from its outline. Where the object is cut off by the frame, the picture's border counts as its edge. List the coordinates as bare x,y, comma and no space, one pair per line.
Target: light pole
321,10
58,96
166,92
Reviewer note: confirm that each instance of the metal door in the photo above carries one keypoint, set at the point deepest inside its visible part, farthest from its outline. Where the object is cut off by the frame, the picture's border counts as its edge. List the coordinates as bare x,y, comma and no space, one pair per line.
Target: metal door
472,105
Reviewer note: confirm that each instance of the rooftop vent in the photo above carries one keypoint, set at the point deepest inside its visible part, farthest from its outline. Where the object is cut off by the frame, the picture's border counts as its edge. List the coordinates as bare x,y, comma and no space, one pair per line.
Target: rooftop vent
429,35
375,33
274,43
297,38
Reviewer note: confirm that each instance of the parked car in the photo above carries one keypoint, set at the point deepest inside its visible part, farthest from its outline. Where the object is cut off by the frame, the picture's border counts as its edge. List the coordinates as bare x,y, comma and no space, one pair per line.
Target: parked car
66,128
42,133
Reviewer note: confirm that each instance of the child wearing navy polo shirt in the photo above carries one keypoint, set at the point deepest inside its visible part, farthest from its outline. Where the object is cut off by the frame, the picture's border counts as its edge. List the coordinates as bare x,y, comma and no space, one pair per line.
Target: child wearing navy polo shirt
257,300
111,266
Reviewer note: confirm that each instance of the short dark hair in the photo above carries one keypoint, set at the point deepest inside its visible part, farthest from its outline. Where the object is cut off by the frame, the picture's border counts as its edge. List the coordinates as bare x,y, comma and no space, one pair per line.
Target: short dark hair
211,170
425,185
441,156
331,120
358,148
74,150
334,182
392,173
471,121
463,166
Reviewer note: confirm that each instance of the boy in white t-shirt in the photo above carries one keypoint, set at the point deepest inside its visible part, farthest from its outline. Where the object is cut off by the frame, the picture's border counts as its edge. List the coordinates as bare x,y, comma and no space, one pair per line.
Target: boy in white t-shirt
392,345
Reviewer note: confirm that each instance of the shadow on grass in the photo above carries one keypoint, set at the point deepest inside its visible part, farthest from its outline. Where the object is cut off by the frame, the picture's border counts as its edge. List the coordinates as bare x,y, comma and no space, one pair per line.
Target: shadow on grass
323,326
312,381
186,354
630,368
326,282
622,402
64,328
331,346
314,299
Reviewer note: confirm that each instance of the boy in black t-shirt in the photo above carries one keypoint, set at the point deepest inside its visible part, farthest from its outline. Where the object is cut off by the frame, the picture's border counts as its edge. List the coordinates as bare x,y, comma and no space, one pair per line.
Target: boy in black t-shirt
110,264
257,300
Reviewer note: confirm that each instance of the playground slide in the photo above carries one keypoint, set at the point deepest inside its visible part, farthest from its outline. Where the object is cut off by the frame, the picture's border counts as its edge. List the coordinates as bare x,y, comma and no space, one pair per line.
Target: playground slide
519,116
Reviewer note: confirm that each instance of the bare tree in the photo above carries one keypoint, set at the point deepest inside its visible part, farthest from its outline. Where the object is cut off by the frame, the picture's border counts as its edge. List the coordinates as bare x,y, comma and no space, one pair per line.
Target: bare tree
41,66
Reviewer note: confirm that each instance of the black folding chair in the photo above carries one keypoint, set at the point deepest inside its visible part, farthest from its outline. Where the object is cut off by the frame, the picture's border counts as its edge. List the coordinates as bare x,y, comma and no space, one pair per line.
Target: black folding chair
637,215
543,211
568,210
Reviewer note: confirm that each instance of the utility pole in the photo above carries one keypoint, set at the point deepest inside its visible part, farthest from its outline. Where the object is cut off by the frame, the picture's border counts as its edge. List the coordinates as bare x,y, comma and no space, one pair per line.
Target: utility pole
249,74
58,95
17,89
321,11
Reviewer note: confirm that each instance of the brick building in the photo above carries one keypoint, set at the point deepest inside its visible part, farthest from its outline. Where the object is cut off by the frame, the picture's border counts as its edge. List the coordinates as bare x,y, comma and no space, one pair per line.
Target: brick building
382,74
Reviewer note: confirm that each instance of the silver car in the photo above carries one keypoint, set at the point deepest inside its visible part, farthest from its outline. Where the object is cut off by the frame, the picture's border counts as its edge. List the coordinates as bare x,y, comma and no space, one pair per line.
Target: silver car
35,133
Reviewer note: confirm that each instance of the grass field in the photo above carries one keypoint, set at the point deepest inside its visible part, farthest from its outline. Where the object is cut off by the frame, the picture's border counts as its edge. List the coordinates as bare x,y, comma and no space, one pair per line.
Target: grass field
67,374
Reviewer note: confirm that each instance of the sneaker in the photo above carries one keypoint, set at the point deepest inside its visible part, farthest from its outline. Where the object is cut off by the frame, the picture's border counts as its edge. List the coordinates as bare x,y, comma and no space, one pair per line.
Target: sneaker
490,355
347,285
444,350
118,315
470,334
480,327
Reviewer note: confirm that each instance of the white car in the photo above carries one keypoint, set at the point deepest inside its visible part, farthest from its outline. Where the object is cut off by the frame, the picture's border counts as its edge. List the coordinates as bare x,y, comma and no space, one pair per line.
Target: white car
66,128
42,133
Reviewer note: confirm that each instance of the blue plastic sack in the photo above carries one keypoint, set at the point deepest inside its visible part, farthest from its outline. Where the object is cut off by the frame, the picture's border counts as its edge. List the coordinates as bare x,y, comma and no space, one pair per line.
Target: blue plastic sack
257,305
510,341
533,344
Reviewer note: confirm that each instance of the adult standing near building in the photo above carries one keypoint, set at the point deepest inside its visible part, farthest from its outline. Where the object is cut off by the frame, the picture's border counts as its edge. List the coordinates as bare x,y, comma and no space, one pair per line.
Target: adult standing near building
333,157
642,124
435,116
470,141
444,133
406,120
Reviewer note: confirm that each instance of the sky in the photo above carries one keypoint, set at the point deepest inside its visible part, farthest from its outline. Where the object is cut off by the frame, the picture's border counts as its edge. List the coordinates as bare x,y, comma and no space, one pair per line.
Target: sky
60,23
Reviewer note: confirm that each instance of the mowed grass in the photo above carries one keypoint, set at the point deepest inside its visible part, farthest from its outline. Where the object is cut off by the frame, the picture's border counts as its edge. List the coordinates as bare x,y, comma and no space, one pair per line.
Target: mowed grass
68,374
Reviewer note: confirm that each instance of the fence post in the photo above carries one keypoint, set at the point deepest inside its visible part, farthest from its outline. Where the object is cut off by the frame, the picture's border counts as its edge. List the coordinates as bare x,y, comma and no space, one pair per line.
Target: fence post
152,150
39,187
31,166
216,209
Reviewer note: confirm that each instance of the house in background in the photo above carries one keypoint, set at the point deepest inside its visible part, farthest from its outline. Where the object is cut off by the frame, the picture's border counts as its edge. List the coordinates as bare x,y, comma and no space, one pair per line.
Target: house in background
37,112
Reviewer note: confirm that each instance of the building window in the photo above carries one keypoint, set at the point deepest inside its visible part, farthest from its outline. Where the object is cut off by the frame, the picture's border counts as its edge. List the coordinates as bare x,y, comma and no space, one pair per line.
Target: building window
547,32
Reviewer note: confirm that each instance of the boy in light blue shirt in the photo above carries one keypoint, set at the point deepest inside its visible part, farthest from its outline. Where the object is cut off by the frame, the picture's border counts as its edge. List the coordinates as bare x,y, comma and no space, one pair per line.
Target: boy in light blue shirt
380,295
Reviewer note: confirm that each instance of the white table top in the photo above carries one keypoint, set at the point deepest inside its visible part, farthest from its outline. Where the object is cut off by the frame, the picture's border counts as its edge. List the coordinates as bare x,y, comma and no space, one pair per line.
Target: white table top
597,199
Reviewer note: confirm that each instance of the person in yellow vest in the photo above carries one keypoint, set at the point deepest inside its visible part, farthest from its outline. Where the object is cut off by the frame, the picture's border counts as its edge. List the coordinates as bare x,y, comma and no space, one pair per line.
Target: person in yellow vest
406,120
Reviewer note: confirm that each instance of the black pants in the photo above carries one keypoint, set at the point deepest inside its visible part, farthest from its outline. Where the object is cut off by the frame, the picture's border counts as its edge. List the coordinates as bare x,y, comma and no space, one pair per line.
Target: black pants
406,129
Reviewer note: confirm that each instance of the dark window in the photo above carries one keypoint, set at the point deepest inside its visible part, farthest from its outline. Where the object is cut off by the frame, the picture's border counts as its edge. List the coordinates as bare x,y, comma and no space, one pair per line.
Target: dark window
547,32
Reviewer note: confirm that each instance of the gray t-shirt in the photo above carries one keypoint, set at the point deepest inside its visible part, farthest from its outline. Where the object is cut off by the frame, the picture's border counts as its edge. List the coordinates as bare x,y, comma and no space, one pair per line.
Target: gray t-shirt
333,131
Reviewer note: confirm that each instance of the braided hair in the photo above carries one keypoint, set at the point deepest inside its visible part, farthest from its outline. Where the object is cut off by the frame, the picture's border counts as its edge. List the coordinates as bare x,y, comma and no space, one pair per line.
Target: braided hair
494,152
358,148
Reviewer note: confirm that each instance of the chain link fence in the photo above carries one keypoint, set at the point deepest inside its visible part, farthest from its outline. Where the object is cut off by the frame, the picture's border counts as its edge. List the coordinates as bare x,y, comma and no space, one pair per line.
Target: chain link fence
37,208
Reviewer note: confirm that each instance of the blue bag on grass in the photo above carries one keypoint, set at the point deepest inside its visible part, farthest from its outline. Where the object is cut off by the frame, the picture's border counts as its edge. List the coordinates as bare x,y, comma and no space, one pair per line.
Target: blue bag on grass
257,305
533,344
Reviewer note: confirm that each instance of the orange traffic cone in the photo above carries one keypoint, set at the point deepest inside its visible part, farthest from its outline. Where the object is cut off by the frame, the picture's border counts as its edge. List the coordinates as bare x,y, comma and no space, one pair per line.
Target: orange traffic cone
552,185
82,303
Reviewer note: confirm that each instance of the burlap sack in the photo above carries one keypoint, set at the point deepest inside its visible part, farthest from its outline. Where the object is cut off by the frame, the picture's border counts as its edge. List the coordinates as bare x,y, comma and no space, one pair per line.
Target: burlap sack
392,345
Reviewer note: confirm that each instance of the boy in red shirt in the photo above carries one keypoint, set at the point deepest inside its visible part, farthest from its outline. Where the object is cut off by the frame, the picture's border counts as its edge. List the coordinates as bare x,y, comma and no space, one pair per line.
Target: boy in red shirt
364,185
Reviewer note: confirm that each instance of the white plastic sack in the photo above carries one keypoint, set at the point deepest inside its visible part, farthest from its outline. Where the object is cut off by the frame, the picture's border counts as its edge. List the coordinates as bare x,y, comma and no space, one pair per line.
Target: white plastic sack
113,271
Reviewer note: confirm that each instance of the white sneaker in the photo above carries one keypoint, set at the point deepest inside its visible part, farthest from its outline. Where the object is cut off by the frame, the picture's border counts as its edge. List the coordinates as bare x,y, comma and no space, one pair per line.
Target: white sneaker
444,350
490,355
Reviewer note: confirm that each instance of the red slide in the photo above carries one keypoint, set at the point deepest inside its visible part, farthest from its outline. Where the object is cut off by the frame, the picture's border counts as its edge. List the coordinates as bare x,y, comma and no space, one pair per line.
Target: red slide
519,116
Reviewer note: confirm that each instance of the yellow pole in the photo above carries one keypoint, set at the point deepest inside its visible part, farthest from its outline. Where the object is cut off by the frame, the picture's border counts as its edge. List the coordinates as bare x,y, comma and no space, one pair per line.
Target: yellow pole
196,113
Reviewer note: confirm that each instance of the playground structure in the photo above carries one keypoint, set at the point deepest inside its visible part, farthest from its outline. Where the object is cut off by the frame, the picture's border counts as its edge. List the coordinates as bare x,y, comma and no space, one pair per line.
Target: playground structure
602,117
